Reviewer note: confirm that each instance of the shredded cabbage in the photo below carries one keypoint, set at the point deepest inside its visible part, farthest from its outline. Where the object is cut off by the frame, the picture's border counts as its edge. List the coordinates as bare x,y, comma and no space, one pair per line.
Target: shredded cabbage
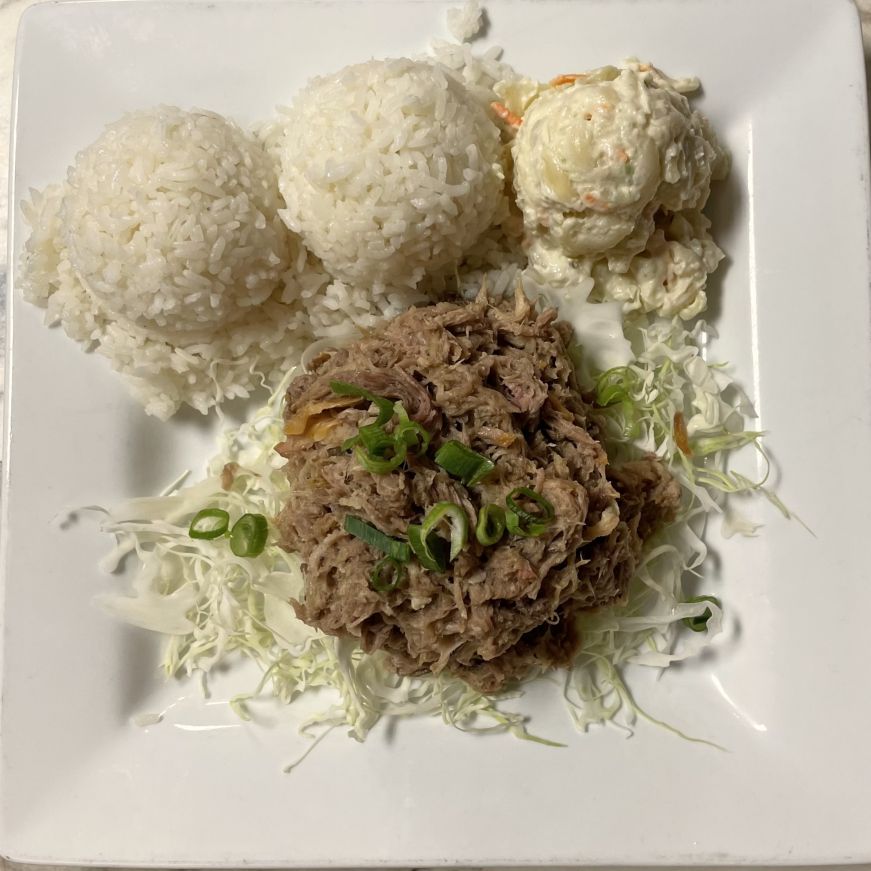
668,377
213,605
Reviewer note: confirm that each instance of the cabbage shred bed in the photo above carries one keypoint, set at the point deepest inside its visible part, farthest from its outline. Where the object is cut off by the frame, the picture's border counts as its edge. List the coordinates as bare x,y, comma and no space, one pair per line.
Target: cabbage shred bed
215,607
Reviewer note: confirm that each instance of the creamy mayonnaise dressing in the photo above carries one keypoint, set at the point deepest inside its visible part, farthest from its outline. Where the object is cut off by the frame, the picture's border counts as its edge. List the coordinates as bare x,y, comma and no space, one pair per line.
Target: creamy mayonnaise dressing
611,170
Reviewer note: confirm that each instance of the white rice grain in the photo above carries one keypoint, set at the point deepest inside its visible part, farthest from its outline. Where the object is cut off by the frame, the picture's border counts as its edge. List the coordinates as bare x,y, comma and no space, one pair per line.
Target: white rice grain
465,22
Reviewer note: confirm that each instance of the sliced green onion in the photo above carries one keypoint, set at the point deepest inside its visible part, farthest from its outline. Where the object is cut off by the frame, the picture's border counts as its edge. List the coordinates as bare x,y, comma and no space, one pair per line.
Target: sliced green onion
520,520
248,535
491,524
430,548
382,465
457,521
387,575
415,436
209,523
376,450
463,463
385,406
367,533
433,551
433,554
543,508
376,441
700,622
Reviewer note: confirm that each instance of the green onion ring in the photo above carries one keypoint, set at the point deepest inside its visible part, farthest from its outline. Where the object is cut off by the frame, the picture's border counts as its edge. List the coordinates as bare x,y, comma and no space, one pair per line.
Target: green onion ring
491,524
415,436
378,465
525,523
456,519
248,535
209,523
432,554
376,441
382,584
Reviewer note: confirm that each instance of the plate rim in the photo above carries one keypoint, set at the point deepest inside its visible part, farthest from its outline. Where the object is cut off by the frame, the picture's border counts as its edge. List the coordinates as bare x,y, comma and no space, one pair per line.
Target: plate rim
42,9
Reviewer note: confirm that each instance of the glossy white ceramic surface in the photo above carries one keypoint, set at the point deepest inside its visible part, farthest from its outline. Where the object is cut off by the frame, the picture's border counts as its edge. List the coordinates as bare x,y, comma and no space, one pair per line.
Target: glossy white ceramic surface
785,692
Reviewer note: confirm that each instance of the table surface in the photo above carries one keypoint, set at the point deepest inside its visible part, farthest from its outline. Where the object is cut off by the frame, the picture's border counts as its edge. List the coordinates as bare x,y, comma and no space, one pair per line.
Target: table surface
10,11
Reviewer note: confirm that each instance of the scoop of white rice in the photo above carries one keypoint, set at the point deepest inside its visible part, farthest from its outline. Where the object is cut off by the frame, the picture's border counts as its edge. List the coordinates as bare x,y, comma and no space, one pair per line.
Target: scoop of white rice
389,169
171,221
164,252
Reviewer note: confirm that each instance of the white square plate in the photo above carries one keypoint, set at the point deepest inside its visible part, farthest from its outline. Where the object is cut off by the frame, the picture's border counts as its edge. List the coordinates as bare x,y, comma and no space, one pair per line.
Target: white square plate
788,695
